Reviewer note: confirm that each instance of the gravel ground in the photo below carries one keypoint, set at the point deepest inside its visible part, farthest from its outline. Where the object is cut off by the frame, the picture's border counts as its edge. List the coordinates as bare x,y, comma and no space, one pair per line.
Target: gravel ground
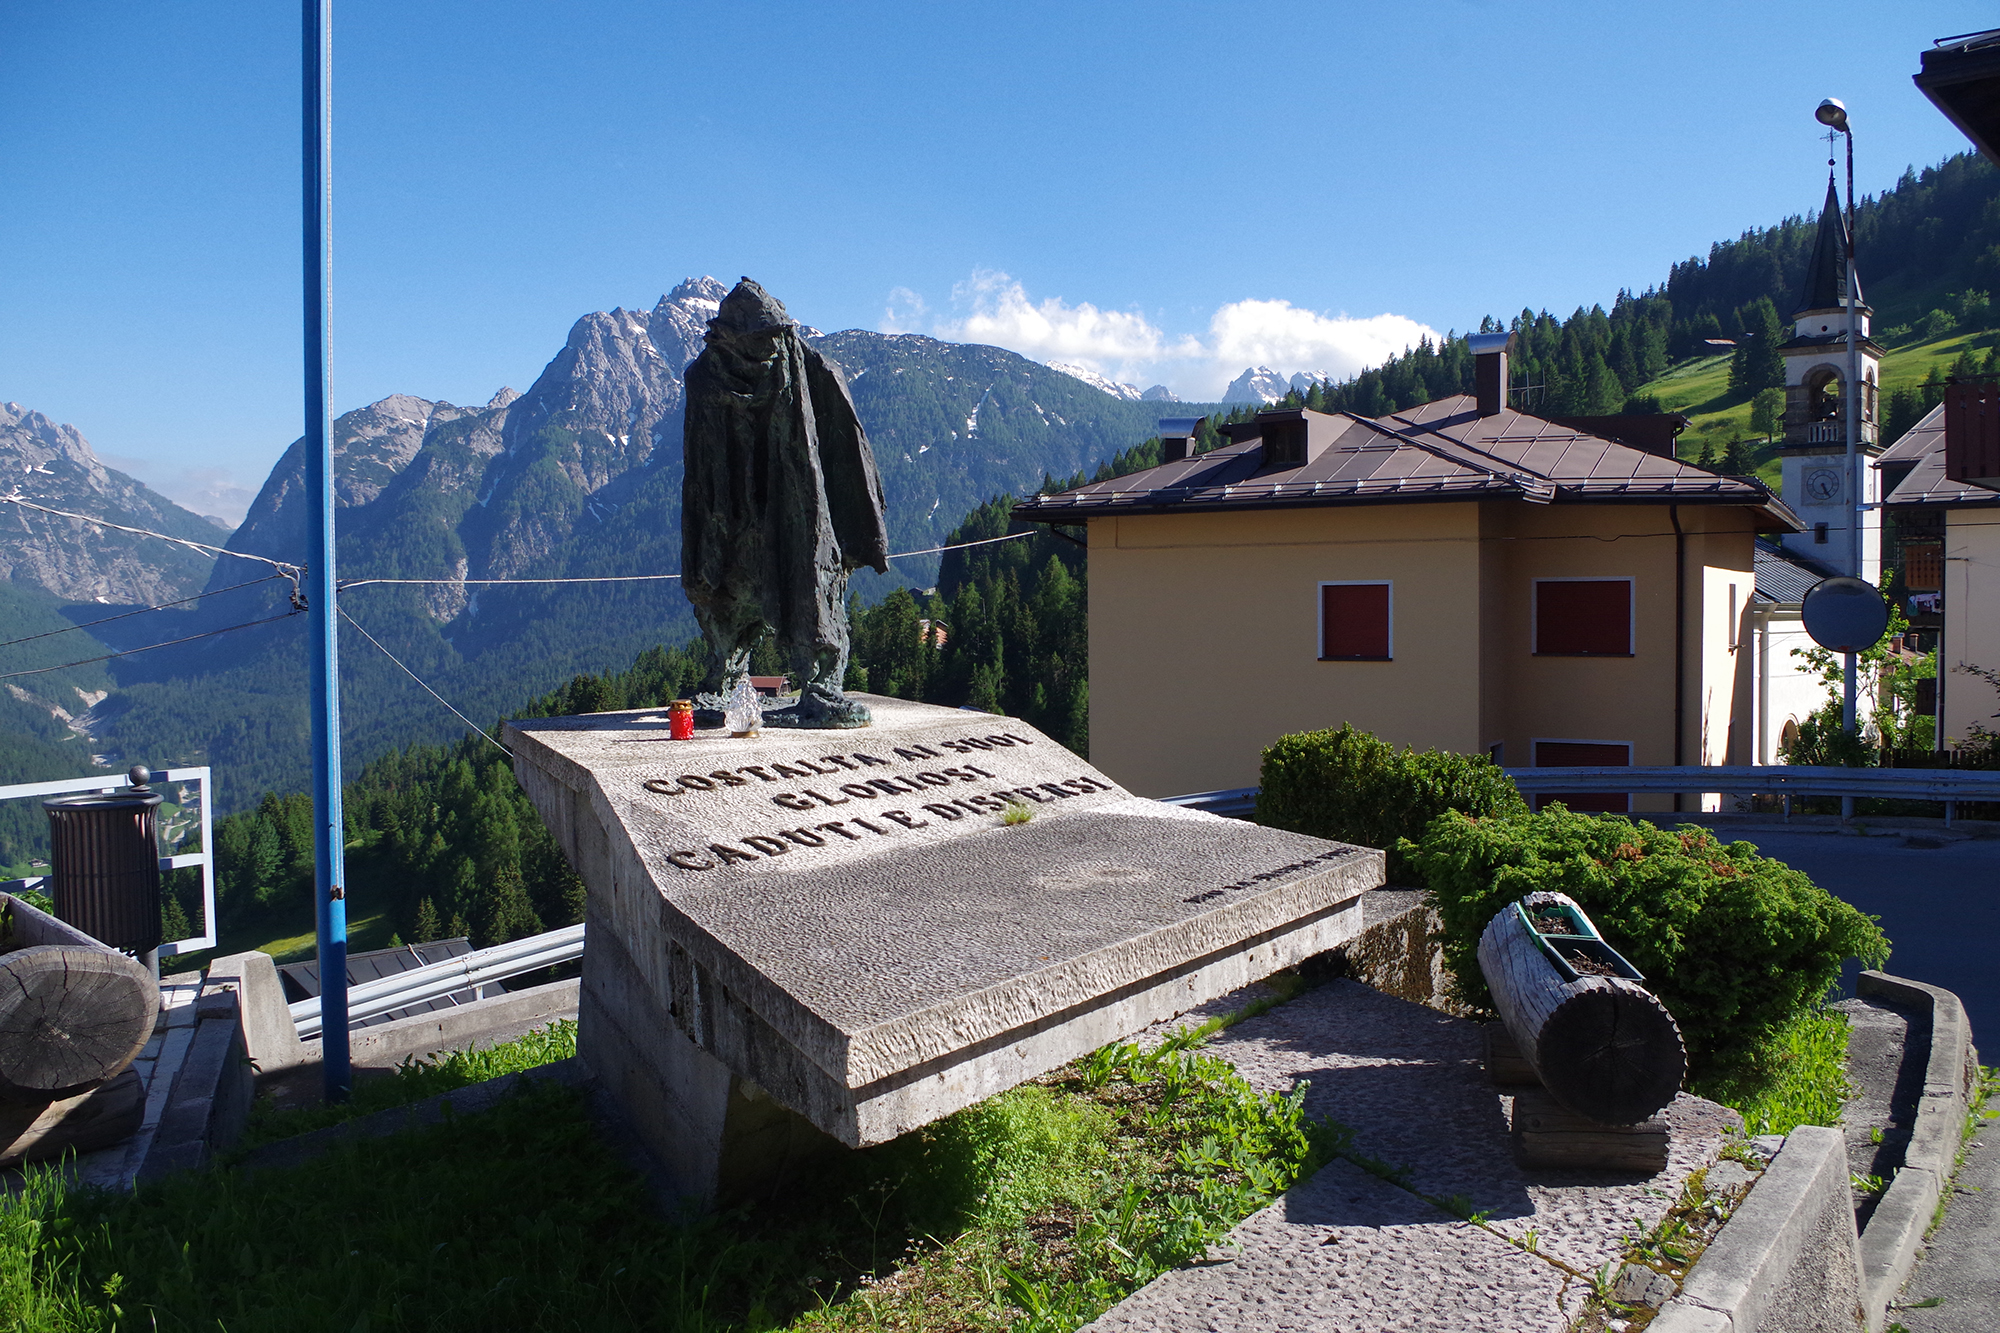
1347,1250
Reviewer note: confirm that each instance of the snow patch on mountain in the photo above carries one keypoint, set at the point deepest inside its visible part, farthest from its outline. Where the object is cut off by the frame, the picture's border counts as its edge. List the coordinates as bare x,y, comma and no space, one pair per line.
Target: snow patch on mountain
1129,392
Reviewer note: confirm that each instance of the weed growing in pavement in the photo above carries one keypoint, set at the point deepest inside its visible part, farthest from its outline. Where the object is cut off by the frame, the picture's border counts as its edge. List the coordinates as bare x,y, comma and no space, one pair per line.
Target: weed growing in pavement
1017,812
1670,1246
1985,1087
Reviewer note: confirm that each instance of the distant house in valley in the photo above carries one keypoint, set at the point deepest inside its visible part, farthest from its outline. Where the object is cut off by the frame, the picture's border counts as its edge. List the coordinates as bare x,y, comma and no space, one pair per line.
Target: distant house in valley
1461,575
1945,541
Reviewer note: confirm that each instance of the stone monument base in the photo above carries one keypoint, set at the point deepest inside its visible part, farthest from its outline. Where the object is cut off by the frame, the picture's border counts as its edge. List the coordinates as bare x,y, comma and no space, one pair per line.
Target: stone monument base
799,938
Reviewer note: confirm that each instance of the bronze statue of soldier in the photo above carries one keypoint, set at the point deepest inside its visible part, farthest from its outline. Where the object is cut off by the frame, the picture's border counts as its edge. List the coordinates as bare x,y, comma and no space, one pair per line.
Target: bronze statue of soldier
781,503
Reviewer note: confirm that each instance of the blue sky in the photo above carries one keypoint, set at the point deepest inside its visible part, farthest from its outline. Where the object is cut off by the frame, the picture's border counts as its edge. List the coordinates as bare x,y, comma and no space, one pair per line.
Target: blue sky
1161,192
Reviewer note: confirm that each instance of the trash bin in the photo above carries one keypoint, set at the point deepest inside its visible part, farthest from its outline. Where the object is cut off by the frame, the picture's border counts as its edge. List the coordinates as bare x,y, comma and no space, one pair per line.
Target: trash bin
104,860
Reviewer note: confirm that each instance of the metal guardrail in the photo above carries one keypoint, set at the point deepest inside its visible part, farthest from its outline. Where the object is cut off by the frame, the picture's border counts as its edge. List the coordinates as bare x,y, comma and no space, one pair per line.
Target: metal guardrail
1232,802
1949,785
434,981
1913,784
204,858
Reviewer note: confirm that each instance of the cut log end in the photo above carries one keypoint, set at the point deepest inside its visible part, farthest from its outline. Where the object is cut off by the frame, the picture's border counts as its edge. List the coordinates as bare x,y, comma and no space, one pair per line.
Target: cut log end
1612,1054
69,1019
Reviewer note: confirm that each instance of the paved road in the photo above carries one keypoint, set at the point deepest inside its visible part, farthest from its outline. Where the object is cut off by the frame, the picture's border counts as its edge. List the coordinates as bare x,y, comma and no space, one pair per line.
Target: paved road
1940,905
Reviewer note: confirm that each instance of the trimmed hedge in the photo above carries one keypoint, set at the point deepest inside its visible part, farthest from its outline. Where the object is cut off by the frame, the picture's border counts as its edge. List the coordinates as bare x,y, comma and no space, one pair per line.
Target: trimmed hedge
1734,944
1350,786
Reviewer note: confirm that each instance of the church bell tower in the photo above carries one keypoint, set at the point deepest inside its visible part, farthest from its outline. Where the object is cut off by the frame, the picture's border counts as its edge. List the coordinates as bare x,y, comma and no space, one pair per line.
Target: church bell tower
1814,453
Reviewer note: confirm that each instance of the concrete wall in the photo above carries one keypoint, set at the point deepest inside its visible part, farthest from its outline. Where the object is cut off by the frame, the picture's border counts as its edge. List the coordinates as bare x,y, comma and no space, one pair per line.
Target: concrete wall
1787,690
1204,634
1971,619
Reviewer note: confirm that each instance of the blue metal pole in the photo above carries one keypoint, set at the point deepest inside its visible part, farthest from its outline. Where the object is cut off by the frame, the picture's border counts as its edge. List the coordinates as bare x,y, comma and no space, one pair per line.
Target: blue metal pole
329,831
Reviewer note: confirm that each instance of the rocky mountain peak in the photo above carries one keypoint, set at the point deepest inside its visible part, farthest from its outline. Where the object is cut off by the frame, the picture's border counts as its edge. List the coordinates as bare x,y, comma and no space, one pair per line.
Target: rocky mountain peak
52,464
680,320
1258,384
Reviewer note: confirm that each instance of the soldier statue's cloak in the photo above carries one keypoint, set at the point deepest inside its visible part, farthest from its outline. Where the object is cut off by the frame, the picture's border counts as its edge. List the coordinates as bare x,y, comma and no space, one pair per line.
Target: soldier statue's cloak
781,501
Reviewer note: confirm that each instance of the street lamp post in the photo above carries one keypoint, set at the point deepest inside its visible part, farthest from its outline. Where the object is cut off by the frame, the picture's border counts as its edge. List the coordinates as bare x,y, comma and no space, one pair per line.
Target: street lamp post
1832,113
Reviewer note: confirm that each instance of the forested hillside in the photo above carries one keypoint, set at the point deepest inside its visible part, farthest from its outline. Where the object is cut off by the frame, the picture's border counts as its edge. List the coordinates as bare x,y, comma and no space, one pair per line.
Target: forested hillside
1928,251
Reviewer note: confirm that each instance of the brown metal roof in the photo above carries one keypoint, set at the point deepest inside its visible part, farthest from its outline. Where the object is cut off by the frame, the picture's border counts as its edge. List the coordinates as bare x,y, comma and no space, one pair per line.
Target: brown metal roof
1921,449
1443,450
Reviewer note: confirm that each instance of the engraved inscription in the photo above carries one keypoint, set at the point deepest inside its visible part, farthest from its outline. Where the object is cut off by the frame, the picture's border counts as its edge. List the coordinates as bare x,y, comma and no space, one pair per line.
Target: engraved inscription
921,788
1210,895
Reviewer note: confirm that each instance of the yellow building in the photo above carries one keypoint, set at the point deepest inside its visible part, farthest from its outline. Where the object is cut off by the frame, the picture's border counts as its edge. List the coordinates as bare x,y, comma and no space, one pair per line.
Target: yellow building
1460,575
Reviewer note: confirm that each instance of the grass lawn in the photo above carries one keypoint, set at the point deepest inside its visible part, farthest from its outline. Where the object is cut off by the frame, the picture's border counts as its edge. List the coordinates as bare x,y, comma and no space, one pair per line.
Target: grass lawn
1700,388
1034,1210
278,933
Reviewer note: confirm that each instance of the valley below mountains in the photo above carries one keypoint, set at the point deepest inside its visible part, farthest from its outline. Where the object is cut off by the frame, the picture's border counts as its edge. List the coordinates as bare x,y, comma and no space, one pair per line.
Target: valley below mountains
578,477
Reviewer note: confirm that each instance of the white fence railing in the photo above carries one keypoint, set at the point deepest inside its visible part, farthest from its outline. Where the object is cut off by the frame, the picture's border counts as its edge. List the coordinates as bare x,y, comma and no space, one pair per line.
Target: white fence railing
205,858
434,981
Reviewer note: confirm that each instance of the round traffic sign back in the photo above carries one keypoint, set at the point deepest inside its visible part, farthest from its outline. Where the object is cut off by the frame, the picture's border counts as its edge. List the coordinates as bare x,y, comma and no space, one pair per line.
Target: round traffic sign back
1845,615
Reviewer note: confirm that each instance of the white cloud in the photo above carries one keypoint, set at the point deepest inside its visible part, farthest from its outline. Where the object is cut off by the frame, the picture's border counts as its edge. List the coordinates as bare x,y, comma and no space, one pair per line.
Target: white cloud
992,307
1286,338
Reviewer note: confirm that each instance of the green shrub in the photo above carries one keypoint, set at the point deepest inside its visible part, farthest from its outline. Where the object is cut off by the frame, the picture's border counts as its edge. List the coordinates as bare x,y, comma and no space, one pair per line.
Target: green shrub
1349,786
1734,944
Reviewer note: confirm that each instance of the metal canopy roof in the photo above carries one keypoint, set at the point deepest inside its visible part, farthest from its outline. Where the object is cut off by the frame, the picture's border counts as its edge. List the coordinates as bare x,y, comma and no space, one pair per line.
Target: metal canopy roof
1442,450
1961,76
1921,448
1782,576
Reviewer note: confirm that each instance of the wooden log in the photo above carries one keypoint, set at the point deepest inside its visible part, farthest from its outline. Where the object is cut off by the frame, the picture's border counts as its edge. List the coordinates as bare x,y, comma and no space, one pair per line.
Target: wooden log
1603,1046
1546,1133
70,1018
1504,1063
39,1132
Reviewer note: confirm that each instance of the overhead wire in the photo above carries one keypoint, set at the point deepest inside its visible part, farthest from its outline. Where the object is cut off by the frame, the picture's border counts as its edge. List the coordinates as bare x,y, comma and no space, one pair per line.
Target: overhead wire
645,578
290,571
139,611
427,689
127,652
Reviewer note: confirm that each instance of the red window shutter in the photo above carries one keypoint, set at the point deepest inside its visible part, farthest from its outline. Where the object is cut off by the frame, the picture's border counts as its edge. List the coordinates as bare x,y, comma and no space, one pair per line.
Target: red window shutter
1584,754
1354,622
1583,618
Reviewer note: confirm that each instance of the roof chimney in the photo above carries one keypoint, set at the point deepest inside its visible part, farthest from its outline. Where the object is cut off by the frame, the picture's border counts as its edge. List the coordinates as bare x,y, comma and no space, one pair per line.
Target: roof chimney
1489,370
1177,438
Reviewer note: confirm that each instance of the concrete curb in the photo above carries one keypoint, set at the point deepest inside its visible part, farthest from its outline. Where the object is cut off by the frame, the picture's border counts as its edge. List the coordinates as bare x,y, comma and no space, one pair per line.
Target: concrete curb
1951,1071
474,1026
1773,1255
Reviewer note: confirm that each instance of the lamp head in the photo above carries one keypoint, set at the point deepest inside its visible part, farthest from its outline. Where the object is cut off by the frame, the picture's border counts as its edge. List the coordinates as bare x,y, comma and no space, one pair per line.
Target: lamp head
1833,114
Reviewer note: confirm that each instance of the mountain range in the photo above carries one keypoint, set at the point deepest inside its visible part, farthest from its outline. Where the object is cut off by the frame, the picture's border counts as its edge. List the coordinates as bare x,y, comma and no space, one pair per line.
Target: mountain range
578,477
